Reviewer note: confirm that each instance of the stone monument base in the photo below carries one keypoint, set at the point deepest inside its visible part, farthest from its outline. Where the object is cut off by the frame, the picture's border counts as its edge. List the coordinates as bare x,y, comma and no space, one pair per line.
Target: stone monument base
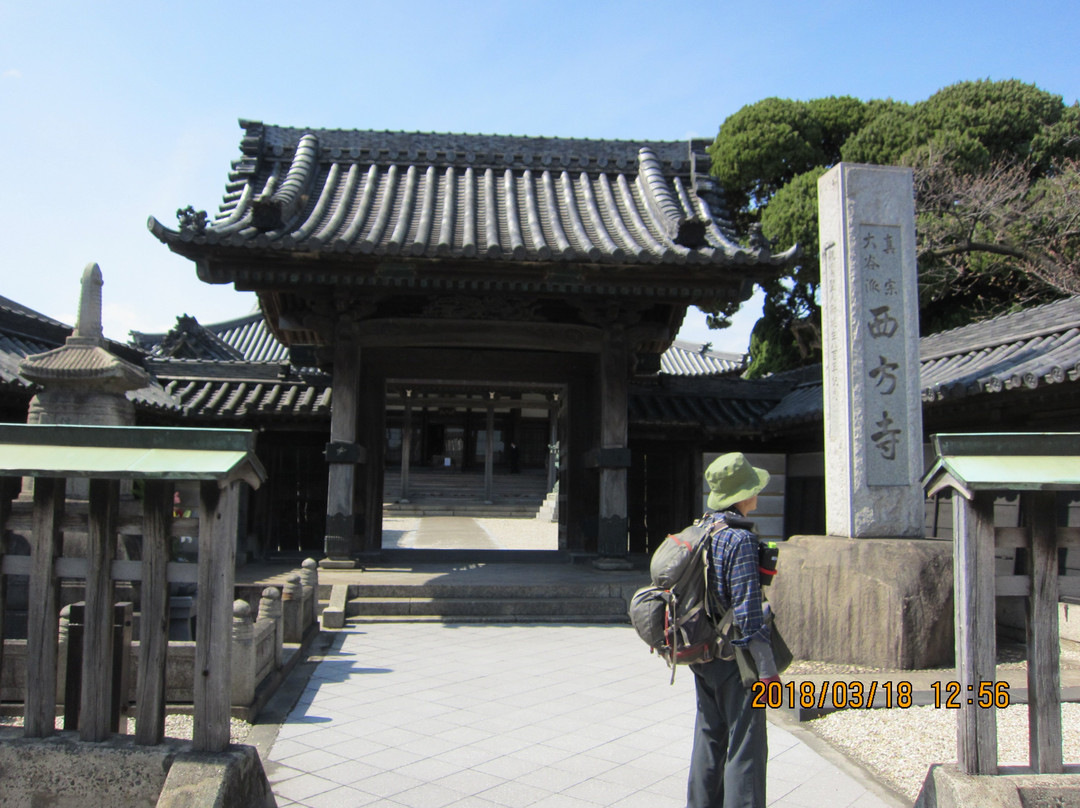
946,787
880,602
63,772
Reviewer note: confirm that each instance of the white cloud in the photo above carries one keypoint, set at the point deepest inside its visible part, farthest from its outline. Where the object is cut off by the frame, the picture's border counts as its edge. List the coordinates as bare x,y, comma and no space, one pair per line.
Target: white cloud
11,73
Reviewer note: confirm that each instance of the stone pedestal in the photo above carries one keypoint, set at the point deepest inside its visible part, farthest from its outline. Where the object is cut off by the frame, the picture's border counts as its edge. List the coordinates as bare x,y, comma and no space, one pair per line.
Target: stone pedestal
946,787
881,602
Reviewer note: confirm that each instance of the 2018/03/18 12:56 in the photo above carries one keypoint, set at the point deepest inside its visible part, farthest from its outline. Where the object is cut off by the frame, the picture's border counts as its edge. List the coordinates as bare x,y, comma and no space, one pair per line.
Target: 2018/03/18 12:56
856,695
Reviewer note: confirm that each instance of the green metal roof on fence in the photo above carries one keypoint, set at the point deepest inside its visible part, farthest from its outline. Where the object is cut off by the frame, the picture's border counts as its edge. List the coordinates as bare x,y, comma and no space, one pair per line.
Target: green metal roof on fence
47,450
1005,462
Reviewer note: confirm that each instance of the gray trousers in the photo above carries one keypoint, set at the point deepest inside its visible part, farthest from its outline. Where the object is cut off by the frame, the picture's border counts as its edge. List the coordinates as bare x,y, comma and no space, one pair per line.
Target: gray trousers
727,766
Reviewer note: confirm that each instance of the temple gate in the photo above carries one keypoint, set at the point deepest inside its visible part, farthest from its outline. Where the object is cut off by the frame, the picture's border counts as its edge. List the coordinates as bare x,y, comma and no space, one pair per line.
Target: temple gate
492,264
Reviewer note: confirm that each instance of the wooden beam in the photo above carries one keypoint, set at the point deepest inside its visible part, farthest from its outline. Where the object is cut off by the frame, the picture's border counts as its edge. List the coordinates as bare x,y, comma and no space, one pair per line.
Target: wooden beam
1043,666
976,649
154,636
43,627
95,703
218,509
412,333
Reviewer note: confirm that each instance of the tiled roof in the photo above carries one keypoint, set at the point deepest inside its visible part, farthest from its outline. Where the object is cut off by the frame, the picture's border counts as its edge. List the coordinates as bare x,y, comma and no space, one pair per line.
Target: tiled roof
697,359
1020,351
242,339
1026,349
248,339
214,390
25,333
470,196
254,398
713,405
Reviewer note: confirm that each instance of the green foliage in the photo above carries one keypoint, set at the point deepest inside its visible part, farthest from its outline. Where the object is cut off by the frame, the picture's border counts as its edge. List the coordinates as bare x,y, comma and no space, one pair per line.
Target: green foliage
993,161
765,145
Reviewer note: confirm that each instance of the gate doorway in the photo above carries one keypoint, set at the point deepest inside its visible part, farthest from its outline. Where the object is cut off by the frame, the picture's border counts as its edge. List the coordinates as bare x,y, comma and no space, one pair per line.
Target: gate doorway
469,468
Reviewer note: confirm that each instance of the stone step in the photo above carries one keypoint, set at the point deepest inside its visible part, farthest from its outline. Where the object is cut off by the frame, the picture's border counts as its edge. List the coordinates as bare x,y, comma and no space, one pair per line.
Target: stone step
486,591
591,619
421,510
491,608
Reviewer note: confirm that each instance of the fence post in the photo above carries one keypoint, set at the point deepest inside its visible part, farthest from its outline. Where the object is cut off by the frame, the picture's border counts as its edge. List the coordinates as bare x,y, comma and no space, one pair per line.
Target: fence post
309,579
243,651
976,645
41,634
218,509
95,703
270,609
154,629
1043,638
292,609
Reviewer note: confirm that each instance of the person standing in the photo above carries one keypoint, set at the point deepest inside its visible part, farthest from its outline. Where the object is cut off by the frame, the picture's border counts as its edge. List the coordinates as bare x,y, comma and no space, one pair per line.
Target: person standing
727,765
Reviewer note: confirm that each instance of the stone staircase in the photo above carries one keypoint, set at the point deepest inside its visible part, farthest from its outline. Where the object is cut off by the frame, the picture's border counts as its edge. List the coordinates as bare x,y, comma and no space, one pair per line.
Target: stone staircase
377,603
475,592
435,492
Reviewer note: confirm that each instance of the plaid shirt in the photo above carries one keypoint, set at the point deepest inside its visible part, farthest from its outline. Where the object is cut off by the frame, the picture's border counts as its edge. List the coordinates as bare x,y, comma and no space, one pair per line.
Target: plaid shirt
735,575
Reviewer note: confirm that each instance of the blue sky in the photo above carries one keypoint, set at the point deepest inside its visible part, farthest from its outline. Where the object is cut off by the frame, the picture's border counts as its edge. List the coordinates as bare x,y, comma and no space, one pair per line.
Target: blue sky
114,111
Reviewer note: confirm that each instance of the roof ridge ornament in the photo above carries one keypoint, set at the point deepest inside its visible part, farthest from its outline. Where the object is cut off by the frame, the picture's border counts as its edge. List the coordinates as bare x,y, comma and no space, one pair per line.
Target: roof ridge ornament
191,220
273,211
685,230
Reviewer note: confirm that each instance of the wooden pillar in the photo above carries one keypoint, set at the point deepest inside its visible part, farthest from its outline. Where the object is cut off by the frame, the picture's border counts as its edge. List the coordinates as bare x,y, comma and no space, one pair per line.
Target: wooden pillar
41,636
372,460
1043,666
976,645
342,453
218,511
406,447
95,703
6,485
489,451
154,635
553,439
613,458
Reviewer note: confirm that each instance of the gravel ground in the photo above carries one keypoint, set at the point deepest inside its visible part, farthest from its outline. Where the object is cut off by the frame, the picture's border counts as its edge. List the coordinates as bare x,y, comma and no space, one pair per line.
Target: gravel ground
177,726
899,745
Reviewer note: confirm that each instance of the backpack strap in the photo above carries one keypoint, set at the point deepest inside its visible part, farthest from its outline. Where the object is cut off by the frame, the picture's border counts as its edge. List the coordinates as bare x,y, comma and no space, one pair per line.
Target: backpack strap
722,618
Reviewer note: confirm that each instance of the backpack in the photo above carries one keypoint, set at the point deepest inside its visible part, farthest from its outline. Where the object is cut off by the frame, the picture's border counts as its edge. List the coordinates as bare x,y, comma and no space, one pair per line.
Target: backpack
677,615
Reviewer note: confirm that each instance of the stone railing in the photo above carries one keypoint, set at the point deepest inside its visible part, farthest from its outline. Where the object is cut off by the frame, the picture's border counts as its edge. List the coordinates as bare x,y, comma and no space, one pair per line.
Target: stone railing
286,617
263,645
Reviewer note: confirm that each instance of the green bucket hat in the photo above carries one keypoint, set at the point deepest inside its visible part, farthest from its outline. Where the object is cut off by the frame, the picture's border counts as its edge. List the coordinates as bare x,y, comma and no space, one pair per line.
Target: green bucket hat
732,479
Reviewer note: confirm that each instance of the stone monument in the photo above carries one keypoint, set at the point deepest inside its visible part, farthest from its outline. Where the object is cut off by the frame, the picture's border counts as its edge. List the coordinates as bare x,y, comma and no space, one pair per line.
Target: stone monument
81,382
873,591
870,313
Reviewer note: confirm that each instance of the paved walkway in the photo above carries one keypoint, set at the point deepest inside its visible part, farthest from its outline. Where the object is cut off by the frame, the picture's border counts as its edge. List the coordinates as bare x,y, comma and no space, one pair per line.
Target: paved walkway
426,715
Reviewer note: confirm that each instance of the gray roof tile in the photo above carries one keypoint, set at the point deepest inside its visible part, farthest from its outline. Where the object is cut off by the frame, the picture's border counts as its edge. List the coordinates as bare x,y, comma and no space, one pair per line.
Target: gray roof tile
470,196
1023,350
695,359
